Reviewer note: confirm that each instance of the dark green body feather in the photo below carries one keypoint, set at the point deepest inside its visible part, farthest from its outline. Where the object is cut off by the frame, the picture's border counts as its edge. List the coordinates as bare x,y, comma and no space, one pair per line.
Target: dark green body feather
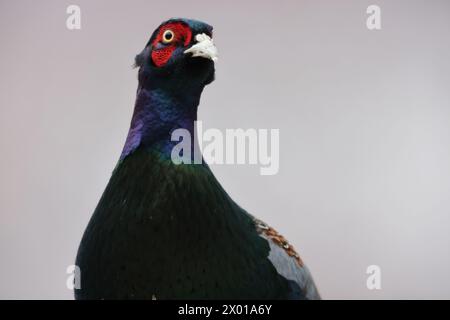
171,232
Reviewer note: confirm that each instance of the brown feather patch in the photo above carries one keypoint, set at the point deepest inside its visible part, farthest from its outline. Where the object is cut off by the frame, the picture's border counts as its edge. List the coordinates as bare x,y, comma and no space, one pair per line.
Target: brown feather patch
278,239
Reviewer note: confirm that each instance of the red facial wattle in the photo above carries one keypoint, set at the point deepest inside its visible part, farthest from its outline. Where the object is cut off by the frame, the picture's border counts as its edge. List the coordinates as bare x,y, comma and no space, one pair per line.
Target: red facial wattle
182,35
161,56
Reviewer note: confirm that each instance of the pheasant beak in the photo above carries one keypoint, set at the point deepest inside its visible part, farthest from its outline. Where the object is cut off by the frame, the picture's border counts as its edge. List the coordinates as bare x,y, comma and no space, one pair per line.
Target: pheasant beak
204,48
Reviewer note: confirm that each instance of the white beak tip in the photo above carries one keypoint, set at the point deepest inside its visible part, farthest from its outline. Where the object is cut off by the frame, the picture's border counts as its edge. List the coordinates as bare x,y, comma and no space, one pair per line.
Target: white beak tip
203,48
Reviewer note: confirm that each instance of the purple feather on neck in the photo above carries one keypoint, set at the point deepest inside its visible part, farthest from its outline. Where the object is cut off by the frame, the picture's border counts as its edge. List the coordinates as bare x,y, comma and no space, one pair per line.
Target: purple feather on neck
157,113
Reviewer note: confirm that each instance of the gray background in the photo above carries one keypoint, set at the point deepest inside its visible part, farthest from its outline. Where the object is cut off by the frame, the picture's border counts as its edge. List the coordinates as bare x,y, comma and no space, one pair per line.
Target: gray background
364,120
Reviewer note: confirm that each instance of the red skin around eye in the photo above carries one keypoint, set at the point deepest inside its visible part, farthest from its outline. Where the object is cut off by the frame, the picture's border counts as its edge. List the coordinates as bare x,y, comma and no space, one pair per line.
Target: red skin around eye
182,34
161,56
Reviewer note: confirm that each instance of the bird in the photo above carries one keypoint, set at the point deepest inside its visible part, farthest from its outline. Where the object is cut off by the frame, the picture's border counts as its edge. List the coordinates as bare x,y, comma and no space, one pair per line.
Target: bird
170,231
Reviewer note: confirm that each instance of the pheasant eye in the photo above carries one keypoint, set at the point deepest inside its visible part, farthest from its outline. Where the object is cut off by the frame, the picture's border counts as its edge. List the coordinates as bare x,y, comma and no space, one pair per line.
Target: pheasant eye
168,36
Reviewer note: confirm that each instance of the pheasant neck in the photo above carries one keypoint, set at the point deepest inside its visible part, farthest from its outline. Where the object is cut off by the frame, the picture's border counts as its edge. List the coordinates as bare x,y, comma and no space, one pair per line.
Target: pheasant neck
157,113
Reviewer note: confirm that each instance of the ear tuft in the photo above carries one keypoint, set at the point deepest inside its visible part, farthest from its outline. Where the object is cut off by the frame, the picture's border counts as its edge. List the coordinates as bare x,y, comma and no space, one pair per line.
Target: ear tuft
140,58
